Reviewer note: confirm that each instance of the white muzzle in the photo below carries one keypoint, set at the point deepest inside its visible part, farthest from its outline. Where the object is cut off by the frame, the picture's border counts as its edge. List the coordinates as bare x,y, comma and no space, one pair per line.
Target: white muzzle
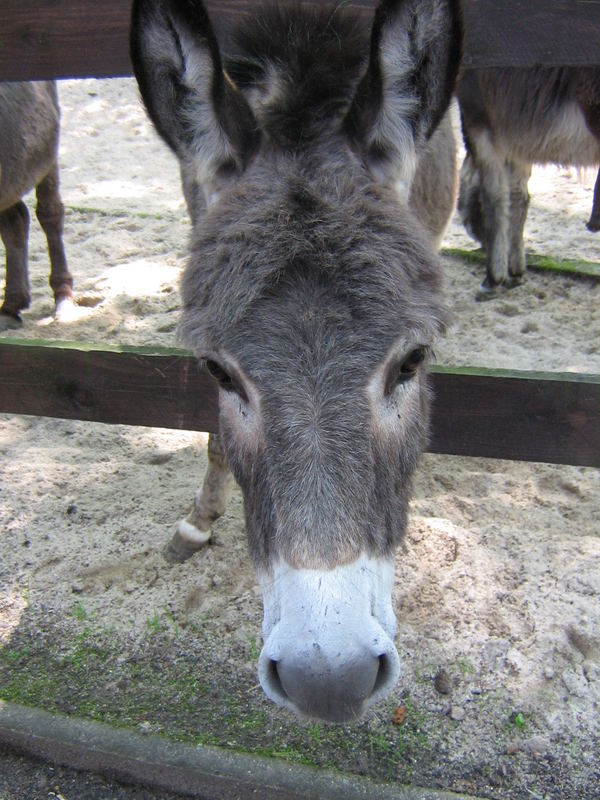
328,638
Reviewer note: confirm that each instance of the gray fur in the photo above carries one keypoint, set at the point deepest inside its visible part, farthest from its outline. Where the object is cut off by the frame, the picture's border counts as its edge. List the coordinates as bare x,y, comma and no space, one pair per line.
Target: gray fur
434,188
309,324
29,130
512,118
310,278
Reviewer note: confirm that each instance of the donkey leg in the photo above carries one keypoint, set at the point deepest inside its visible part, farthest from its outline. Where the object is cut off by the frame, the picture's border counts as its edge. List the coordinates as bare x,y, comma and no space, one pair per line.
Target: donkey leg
494,196
51,214
469,200
593,223
14,230
519,175
589,100
209,504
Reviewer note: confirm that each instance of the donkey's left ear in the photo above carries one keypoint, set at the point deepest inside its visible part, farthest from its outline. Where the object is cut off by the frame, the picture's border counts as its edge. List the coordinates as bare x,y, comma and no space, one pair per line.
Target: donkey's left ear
416,49
196,109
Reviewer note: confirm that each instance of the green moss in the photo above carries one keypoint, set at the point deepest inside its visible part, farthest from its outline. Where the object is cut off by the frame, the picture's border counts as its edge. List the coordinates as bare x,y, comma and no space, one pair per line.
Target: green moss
123,214
535,261
174,685
253,649
464,666
79,612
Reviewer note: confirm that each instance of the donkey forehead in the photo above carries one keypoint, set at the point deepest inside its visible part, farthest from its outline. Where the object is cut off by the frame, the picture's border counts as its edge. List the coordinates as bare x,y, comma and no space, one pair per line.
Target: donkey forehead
317,335
307,263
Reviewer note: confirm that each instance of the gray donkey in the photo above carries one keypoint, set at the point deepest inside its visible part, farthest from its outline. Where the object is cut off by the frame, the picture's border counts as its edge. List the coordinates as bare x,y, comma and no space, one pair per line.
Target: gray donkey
313,297
29,130
512,118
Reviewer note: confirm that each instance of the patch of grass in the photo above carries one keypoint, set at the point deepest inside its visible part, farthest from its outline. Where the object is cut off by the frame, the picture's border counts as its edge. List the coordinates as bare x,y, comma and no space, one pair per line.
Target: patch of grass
517,719
162,622
11,656
153,623
574,748
287,754
253,649
572,267
172,622
85,655
183,688
79,612
28,689
470,256
315,732
464,666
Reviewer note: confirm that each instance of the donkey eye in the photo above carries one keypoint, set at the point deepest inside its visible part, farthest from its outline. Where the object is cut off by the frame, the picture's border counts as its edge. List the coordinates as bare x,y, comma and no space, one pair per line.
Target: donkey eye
412,361
223,378
227,382
403,371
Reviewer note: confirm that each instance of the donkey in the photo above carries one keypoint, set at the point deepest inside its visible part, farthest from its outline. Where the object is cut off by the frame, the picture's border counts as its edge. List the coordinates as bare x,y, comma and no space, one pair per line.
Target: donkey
511,118
313,296
29,131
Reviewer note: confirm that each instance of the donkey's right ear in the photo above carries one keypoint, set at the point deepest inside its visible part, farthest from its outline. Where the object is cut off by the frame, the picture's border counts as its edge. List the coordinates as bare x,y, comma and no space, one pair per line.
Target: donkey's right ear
194,106
413,63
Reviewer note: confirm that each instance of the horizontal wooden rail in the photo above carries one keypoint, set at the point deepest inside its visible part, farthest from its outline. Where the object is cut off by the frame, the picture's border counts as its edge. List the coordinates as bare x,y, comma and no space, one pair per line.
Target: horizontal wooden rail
491,413
42,39
129,386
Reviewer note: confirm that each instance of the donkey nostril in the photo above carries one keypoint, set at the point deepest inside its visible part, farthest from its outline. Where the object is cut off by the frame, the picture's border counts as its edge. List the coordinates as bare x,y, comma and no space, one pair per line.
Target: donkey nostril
274,680
336,688
384,674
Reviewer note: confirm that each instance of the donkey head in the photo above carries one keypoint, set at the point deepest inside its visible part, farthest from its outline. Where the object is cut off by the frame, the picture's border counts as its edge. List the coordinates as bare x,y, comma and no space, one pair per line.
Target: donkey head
313,296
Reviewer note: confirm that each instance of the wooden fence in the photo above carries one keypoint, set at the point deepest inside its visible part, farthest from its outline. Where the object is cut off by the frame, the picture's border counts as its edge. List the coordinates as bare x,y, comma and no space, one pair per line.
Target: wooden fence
517,415
496,413
88,38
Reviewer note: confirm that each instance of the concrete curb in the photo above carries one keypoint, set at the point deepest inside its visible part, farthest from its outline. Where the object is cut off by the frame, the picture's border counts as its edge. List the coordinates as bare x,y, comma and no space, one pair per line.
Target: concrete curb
201,772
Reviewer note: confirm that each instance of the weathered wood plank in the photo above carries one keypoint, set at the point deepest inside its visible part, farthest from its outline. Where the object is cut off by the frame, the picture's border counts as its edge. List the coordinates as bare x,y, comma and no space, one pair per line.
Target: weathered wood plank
41,39
522,416
84,38
522,33
130,386
496,414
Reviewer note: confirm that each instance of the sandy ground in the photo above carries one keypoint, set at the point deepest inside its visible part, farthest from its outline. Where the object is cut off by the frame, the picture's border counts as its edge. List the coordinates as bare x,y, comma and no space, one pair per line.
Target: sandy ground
498,584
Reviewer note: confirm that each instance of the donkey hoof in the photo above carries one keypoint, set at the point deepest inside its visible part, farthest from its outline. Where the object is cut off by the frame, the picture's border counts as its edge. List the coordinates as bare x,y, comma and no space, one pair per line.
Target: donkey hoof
10,322
489,291
186,541
513,281
66,310
593,224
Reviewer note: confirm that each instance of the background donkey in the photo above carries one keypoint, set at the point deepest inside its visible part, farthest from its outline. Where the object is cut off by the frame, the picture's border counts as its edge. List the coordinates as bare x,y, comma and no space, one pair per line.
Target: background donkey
29,130
511,118
313,296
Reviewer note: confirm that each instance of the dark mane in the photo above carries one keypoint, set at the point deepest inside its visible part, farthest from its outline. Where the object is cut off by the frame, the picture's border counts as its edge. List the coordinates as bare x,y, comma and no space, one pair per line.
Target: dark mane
300,67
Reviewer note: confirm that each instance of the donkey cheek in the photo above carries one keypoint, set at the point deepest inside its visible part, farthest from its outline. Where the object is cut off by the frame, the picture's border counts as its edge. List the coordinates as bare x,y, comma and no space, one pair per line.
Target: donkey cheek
238,422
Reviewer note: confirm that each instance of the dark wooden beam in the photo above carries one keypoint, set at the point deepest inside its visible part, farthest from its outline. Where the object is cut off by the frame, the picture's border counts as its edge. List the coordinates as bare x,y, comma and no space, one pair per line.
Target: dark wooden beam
495,414
523,33
129,386
522,416
85,38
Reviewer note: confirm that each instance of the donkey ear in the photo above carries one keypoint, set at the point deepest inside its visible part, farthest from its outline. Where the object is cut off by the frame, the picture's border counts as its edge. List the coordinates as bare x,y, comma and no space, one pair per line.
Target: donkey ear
194,106
416,48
